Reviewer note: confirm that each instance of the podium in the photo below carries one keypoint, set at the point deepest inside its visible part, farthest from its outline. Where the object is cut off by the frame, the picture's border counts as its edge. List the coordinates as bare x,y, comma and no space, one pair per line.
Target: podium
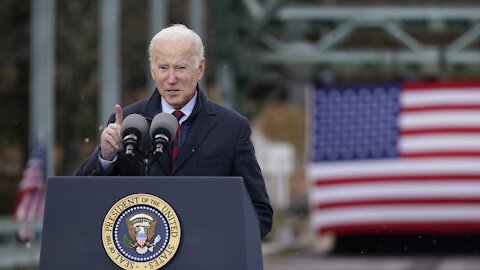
219,227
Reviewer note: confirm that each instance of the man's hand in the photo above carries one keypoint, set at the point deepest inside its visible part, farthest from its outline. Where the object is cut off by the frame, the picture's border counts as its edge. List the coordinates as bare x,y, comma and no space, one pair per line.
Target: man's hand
111,141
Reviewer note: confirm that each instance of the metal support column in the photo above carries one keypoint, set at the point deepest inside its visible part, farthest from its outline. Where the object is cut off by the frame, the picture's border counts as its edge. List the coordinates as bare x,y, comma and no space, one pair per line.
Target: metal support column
158,20
42,70
197,19
110,89
225,72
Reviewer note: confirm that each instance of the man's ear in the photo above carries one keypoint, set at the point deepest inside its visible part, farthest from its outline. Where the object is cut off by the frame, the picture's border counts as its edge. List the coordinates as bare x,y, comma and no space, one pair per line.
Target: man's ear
201,68
152,66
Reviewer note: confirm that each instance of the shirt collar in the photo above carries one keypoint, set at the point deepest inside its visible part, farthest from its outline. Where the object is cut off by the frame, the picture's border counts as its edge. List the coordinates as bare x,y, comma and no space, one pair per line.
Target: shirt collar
186,110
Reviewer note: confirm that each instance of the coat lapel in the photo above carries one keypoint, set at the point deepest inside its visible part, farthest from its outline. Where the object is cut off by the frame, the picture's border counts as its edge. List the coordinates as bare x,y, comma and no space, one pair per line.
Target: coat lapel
200,127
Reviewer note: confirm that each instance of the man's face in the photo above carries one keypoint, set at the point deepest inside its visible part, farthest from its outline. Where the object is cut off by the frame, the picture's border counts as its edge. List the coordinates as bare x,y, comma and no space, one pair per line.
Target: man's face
174,70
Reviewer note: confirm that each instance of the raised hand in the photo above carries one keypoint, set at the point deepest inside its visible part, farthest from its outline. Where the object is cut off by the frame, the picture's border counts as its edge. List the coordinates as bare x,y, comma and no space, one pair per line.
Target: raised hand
111,141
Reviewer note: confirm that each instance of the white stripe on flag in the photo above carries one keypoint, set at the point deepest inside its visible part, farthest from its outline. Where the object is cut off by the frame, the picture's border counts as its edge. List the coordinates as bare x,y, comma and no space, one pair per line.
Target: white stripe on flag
427,166
451,96
395,190
406,213
435,119
439,142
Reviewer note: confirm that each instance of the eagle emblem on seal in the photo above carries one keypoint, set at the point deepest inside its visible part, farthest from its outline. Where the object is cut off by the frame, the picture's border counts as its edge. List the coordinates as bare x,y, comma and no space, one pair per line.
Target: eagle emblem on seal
141,231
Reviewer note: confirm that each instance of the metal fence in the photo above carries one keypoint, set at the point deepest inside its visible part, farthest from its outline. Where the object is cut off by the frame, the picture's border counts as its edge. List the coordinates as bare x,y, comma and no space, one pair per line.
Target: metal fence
15,254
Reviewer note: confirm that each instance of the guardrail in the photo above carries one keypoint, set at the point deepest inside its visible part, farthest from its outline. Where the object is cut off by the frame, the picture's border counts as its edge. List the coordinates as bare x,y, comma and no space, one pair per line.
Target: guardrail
13,253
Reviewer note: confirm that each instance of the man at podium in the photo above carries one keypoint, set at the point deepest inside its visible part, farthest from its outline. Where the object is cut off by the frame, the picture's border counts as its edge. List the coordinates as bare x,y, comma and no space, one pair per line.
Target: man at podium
210,140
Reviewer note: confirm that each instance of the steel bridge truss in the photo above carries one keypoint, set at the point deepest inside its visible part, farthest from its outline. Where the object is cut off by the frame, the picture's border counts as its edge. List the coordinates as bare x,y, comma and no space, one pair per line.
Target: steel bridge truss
343,22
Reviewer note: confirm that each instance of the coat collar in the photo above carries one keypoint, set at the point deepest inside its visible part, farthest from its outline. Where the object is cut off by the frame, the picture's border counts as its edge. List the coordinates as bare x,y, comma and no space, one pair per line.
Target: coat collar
153,106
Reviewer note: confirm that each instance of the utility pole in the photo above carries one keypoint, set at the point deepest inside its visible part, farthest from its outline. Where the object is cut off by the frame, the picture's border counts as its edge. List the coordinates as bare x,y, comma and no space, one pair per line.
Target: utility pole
157,21
42,83
110,89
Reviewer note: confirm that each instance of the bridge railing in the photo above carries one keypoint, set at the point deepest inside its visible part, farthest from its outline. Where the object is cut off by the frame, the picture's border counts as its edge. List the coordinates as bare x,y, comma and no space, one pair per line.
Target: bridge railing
15,254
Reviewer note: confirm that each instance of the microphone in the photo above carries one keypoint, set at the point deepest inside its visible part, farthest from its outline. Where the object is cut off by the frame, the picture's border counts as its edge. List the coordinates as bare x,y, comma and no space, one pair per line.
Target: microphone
163,127
134,127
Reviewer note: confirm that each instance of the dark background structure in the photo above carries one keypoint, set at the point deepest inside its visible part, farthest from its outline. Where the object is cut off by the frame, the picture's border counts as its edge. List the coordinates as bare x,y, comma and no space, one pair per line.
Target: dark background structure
269,51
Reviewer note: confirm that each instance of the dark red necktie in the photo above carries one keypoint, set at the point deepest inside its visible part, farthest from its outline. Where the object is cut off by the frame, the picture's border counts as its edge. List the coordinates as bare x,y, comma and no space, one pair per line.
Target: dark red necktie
178,115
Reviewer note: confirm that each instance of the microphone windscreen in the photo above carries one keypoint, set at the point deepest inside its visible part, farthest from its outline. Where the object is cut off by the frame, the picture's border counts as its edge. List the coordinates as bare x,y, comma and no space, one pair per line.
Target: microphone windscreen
163,121
134,123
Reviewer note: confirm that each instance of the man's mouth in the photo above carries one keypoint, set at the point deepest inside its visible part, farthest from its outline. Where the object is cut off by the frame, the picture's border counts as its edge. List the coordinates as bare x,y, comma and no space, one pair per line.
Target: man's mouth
172,90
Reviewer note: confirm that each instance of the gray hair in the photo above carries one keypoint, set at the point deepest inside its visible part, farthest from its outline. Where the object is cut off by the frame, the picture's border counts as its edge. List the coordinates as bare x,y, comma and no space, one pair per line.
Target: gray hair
178,31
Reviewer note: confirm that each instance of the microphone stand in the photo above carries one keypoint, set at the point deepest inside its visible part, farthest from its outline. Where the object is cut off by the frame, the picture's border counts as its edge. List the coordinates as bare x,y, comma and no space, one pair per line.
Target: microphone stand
150,157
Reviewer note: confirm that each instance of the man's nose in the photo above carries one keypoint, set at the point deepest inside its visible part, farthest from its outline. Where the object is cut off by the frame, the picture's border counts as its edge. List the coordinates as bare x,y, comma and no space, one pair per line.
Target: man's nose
172,77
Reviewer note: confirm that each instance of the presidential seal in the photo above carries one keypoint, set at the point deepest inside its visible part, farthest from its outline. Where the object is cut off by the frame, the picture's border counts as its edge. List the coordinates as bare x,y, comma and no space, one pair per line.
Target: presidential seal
141,231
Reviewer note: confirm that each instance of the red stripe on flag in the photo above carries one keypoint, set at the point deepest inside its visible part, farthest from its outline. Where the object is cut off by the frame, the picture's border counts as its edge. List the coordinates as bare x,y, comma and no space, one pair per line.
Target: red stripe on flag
428,108
429,86
406,201
441,154
403,227
440,130
398,178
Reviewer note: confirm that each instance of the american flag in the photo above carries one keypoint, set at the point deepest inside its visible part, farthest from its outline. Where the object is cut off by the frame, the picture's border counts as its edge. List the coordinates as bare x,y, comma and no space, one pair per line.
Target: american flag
395,158
30,199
